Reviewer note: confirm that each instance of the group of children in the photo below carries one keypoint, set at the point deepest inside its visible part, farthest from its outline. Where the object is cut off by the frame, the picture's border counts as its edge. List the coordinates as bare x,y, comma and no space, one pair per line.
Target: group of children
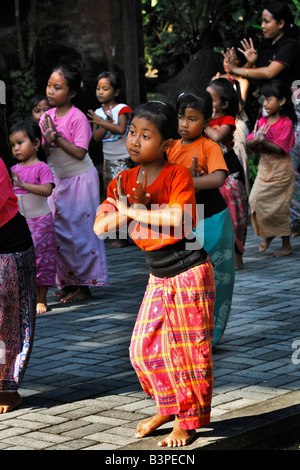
190,218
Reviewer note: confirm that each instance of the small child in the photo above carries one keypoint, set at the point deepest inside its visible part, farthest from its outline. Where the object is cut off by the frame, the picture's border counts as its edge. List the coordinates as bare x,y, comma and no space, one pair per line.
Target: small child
33,183
38,106
171,343
110,125
221,130
273,187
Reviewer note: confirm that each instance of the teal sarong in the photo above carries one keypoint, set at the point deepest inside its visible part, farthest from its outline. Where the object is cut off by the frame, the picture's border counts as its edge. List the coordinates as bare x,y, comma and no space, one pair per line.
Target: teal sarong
216,234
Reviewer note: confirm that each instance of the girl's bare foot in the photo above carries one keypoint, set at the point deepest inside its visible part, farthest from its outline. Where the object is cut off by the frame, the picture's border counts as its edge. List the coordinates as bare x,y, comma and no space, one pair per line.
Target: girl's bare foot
295,233
238,261
81,293
149,425
178,437
64,291
265,244
286,248
41,307
9,401
118,244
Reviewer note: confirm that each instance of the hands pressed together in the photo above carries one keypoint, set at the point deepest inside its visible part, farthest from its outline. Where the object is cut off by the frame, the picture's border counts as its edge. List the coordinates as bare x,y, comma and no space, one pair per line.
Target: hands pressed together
139,197
49,131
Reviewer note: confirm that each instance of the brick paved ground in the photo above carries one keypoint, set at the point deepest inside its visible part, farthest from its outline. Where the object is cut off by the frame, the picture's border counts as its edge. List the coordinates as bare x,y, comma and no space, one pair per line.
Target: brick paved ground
80,391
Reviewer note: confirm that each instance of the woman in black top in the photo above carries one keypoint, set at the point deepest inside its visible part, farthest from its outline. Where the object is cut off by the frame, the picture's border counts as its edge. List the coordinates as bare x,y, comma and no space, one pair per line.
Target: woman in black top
278,56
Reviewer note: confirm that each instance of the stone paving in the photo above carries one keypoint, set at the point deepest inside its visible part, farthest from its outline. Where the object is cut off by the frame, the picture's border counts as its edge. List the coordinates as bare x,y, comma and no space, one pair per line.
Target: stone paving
80,390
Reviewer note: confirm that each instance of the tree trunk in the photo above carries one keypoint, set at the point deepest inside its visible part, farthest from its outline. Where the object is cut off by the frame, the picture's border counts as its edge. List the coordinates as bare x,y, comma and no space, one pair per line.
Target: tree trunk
32,30
20,45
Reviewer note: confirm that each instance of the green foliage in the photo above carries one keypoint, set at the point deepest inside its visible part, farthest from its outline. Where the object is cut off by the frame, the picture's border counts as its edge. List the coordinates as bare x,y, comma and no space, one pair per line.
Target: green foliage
22,86
295,8
253,167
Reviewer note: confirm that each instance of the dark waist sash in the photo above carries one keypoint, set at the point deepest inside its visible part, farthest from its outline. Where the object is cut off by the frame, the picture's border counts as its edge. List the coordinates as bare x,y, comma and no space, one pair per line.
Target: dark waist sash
175,259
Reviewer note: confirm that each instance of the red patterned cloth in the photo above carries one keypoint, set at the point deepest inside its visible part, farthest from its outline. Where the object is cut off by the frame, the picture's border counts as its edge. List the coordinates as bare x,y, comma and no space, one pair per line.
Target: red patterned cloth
171,344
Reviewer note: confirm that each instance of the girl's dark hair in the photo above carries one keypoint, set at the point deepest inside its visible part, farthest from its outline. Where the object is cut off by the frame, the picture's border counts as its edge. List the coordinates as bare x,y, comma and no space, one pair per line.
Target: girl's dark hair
36,99
162,115
113,77
280,11
280,90
71,75
33,131
202,103
226,92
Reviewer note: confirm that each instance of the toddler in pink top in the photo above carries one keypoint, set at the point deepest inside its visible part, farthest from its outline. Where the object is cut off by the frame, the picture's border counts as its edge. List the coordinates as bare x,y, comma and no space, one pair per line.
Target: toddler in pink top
33,183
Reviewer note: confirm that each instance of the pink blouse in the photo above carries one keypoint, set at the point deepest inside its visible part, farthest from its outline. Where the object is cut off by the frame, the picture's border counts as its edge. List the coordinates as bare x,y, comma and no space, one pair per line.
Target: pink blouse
280,133
33,174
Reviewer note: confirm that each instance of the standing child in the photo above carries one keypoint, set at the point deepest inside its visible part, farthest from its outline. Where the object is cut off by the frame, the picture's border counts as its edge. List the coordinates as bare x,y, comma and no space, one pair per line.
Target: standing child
110,125
38,106
215,232
17,294
221,130
241,86
273,187
33,183
171,342
81,258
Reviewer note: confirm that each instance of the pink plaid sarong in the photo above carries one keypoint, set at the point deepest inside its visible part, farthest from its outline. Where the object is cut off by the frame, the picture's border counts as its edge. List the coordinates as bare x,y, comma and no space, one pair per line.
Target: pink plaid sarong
171,344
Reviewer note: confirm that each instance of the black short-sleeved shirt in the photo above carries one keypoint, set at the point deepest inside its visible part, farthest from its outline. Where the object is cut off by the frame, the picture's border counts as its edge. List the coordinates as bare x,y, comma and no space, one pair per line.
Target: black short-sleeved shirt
286,51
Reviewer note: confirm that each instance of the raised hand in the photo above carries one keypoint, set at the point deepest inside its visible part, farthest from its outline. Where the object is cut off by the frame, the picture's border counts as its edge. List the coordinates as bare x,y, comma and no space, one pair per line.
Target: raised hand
48,129
259,135
249,51
16,180
121,199
140,196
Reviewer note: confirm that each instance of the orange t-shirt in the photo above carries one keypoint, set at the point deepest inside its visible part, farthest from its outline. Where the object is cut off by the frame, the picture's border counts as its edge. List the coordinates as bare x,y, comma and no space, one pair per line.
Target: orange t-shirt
209,154
173,186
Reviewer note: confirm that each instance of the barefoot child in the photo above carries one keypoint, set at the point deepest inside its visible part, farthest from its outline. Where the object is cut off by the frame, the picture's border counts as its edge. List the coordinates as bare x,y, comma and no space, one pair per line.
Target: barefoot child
273,187
33,183
81,257
171,342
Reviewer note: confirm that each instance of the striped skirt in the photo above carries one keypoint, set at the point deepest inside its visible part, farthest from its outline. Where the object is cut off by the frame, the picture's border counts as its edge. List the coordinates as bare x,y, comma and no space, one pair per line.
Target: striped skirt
171,349
17,316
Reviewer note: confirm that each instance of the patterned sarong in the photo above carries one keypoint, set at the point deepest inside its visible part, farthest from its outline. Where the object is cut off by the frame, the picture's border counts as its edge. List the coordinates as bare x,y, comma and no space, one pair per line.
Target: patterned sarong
235,196
171,344
17,316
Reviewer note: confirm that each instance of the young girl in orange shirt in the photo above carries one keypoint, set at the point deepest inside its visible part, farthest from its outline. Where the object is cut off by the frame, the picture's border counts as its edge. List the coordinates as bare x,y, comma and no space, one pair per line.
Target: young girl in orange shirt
171,343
